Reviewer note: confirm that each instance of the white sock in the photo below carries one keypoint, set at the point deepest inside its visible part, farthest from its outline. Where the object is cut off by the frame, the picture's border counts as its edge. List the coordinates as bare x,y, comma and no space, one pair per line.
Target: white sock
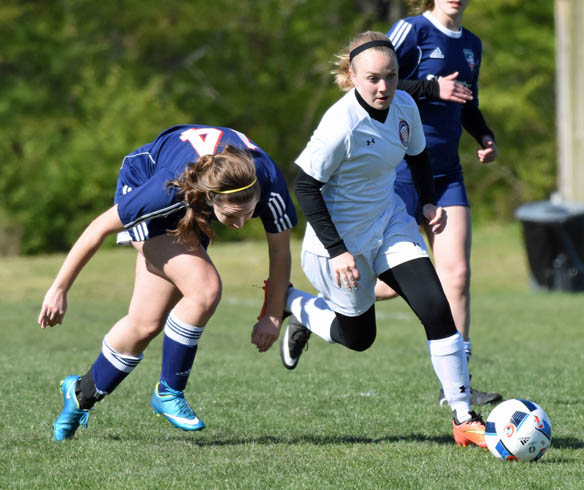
467,349
451,367
312,311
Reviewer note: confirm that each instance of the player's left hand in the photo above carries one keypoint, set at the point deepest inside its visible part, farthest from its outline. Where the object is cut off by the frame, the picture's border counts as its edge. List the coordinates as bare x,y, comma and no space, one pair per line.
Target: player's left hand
488,152
53,309
265,332
436,217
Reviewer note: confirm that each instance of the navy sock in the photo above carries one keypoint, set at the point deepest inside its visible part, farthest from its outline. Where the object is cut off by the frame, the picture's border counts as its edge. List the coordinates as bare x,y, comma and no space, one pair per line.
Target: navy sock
178,352
111,368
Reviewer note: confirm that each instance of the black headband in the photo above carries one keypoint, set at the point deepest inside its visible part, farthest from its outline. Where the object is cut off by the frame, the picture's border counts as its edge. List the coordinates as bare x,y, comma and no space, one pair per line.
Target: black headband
370,44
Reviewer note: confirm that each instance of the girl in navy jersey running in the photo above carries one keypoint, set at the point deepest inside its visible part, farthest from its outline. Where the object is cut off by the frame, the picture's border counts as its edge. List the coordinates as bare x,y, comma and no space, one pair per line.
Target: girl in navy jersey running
358,229
167,192
439,64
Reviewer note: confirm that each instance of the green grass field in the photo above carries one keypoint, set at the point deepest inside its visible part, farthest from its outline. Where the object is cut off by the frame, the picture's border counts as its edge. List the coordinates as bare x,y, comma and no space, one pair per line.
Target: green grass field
341,420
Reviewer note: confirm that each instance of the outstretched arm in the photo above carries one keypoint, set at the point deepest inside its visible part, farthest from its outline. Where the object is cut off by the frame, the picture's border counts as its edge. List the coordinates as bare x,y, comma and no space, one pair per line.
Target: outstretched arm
55,303
267,330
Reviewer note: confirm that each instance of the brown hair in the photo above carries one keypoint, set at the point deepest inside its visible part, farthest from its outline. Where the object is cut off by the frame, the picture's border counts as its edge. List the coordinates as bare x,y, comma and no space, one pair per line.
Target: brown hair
342,75
206,182
420,6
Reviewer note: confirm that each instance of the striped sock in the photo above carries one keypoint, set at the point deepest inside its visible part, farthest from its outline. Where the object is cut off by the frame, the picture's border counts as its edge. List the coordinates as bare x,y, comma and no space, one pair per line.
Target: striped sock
179,348
111,368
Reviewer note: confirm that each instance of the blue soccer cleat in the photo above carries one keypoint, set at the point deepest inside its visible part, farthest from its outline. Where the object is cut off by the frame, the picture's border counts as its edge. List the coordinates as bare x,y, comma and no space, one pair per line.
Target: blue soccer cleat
71,416
173,406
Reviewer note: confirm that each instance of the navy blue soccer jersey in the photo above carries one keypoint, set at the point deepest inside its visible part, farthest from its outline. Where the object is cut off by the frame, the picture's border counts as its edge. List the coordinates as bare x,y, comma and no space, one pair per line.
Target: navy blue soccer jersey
428,50
147,208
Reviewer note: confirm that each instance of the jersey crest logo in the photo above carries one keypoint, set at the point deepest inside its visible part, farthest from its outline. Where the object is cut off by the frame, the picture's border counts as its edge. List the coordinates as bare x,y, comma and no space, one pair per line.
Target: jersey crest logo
404,132
437,54
470,58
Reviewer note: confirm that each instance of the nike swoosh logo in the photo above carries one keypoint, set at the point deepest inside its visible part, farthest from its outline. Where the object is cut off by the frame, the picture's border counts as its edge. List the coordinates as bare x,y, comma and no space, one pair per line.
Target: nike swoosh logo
183,420
68,395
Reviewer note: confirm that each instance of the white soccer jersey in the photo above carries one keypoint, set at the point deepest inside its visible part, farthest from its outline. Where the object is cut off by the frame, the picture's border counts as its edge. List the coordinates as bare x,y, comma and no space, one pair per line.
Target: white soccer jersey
356,157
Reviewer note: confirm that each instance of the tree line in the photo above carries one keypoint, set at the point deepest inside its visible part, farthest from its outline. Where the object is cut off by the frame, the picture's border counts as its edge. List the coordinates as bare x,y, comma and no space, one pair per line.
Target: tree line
84,83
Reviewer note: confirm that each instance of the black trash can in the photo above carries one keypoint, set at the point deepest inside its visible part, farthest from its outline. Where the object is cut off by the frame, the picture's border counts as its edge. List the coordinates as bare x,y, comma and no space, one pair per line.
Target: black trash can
554,240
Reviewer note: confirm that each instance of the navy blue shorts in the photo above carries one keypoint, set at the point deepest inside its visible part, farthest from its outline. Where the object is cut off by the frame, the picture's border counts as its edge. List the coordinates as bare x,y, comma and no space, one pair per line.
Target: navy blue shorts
450,191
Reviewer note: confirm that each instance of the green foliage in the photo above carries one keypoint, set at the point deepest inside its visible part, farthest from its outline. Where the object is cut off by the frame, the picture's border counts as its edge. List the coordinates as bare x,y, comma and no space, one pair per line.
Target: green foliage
84,83
517,98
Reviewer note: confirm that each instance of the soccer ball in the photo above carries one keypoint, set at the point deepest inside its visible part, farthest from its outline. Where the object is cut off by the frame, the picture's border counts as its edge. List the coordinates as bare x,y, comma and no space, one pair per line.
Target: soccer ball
518,430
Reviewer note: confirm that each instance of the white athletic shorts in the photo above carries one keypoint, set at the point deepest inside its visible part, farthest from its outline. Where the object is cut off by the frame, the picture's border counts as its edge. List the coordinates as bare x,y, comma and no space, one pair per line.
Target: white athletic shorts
402,242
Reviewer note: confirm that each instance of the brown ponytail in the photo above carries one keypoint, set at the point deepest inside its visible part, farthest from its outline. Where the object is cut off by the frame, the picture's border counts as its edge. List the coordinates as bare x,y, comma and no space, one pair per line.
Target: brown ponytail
209,181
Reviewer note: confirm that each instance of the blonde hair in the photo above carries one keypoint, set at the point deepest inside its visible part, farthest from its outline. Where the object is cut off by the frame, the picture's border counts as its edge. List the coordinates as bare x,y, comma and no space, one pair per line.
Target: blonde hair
342,72
420,6
227,177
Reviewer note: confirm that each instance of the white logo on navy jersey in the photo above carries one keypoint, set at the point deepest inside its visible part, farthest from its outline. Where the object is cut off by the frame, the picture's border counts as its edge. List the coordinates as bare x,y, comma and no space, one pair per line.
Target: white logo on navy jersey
404,132
470,59
437,54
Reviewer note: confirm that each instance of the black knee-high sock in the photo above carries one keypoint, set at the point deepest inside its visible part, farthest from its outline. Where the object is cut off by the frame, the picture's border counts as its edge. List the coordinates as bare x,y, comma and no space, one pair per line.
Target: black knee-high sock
417,282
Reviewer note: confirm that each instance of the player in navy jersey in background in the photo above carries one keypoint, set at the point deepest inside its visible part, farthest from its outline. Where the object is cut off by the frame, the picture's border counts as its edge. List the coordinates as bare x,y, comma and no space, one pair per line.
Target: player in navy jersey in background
439,64
167,192
358,230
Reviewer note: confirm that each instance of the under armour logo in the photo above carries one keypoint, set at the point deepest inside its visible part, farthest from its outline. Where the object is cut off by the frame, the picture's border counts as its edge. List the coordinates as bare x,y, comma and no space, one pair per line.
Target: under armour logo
462,389
371,141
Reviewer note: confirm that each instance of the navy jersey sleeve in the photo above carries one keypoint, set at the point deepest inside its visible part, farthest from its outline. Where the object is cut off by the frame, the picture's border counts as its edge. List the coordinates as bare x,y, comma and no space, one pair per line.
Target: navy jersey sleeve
149,201
403,36
476,58
275,209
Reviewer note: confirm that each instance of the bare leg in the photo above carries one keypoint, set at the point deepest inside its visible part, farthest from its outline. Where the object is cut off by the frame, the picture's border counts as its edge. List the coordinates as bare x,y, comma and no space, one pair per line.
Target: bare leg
451,250
167,277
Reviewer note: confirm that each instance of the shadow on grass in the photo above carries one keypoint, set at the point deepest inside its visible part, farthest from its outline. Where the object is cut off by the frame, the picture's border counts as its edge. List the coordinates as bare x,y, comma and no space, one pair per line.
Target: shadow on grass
305,439
567,443
321,440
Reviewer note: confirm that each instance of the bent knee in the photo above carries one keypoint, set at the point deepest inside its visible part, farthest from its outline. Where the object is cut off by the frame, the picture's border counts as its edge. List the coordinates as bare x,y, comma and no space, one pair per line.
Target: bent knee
361,344
205,298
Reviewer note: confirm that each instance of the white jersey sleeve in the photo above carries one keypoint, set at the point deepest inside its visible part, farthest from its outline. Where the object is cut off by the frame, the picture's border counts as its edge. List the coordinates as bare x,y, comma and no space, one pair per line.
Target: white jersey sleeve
327,147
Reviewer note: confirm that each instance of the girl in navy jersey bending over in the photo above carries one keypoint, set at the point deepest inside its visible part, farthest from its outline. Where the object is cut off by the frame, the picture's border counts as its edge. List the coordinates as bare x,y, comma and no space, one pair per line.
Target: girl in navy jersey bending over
167,192
358,229
439,64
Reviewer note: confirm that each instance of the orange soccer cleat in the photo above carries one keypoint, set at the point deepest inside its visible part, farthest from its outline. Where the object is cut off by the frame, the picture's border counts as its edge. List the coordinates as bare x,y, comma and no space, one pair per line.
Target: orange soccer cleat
264,306
470,432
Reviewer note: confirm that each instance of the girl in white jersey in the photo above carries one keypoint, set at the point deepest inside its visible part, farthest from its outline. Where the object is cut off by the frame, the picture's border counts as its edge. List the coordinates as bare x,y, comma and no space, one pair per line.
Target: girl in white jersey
358,228
439,64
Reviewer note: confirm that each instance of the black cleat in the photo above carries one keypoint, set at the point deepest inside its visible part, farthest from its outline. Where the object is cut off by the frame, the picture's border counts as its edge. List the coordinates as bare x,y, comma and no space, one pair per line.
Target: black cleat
476,398
293,342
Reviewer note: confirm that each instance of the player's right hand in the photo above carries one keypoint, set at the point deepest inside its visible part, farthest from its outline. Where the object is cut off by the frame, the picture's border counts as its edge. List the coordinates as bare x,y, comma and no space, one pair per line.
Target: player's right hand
453,91
436,216
345,270
53,309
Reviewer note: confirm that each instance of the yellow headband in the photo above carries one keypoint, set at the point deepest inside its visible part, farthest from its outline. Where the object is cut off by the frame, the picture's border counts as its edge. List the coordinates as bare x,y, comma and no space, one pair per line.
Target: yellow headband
231,191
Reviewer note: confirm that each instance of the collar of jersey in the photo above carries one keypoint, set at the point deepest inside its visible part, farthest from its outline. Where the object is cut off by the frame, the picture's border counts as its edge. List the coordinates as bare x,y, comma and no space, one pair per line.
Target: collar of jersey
442,28
377,114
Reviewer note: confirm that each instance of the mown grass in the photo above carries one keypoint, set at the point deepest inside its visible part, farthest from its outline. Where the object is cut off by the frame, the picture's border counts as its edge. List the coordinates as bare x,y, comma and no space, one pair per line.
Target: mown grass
341,420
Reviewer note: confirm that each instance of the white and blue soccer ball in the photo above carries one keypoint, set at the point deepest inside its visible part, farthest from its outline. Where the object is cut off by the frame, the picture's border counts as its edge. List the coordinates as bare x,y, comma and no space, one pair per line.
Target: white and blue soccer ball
518,430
